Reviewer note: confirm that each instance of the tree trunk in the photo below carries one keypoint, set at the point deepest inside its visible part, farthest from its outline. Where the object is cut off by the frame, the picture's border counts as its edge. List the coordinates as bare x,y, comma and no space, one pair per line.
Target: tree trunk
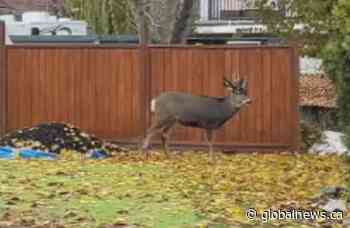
163,17
168,21
141,10
182,26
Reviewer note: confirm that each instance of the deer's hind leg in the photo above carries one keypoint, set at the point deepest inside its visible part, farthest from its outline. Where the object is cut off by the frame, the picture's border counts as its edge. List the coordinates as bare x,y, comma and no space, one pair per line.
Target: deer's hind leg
165,135
156,128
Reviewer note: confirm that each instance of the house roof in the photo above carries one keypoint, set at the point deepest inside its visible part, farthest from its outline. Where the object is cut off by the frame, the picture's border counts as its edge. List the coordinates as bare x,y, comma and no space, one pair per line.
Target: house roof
317,91
10,6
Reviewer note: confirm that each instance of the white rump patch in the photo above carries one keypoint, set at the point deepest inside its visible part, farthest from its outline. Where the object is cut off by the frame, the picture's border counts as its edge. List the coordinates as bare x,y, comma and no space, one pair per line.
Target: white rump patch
153,105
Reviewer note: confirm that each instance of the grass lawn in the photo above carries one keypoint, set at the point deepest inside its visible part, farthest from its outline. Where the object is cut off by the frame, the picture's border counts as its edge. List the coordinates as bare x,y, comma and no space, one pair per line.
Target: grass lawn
184,191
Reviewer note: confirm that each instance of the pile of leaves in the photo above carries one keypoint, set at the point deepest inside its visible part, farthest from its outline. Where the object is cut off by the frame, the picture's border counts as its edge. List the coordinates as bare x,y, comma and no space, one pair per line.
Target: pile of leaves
317,90
55,137
187,190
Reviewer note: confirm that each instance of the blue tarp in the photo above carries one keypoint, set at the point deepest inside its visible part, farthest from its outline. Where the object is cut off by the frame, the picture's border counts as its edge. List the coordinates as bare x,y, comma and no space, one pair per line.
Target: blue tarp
9,153
36,154
98,154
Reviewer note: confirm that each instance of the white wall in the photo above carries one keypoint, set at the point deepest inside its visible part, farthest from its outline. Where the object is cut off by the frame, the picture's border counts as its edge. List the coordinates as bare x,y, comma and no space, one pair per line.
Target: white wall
227,5
204,9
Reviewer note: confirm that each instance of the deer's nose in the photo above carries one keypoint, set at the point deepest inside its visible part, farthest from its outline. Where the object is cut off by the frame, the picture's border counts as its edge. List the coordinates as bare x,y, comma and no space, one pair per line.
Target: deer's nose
248,101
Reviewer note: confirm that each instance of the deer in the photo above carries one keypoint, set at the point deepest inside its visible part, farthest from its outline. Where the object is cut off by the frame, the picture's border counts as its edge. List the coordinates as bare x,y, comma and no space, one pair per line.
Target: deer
203,112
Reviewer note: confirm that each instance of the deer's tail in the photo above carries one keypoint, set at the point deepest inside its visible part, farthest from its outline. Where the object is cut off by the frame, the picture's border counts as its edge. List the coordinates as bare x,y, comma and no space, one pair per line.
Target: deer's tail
153,105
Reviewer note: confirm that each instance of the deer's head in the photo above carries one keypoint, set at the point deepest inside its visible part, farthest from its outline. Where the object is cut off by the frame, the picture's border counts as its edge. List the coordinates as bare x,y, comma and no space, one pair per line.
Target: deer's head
238,90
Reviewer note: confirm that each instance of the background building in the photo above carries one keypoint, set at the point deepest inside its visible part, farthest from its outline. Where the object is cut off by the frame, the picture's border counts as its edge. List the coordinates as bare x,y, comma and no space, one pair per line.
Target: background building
17,7
28,18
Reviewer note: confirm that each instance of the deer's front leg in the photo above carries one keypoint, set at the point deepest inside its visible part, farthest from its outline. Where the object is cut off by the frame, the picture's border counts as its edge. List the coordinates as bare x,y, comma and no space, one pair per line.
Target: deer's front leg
209,137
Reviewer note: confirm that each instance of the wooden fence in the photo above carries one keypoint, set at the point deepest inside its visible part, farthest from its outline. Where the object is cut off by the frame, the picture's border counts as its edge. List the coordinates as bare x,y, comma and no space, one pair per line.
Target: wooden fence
106,90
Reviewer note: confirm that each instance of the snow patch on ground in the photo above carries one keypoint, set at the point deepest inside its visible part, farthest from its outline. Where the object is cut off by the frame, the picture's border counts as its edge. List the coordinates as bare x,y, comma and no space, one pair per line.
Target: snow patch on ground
331,143
310,65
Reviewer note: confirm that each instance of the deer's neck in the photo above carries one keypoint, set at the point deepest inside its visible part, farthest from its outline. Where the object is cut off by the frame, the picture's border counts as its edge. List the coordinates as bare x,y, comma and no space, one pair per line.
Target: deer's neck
231,104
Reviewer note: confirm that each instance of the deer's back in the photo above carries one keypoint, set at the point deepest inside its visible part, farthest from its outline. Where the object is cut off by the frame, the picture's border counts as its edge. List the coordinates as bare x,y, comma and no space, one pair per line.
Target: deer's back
192,110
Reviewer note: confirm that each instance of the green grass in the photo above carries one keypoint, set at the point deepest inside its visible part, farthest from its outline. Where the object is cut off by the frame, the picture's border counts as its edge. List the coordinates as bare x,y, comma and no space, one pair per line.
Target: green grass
184,191
94,193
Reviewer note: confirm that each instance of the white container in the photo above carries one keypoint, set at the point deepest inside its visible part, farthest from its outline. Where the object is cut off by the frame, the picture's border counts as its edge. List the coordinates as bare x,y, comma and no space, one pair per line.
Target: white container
71,27
64,19
17,29
8,18
35,16
53,18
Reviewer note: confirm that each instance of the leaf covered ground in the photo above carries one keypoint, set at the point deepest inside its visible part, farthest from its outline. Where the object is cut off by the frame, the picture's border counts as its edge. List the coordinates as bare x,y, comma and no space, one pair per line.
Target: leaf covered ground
184,191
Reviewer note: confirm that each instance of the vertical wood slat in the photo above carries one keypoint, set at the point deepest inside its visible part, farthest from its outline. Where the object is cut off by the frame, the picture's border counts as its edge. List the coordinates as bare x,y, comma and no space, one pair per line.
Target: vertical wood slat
27,88
102,91
13,87
3,80
253,91
37,90
260,106
122,96
83,89
233,132
296,137
266,95
115,92
283,99
287,71
276,113
243,114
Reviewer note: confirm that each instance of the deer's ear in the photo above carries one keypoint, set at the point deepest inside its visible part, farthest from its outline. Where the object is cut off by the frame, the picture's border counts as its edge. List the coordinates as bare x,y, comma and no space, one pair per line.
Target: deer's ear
229,84
226,84
243,84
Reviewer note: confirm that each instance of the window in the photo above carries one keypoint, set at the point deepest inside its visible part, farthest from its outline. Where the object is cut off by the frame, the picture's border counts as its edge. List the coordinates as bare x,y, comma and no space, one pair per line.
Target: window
18,16
35,32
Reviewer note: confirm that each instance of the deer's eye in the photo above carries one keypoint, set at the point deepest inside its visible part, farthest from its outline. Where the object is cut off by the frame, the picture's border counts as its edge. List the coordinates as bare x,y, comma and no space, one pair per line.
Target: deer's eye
243,91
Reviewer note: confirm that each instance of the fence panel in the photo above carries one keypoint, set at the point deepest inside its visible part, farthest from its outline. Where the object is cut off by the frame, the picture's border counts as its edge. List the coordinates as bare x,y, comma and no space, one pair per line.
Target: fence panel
99,90
269,121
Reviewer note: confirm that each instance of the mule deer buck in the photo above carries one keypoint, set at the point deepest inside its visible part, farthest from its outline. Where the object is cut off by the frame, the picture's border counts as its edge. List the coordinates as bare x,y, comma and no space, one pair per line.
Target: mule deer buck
208,113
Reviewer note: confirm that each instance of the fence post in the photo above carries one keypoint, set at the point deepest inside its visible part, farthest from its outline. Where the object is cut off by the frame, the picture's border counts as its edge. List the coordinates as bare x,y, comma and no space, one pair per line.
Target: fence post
3,79
145,63
295,100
